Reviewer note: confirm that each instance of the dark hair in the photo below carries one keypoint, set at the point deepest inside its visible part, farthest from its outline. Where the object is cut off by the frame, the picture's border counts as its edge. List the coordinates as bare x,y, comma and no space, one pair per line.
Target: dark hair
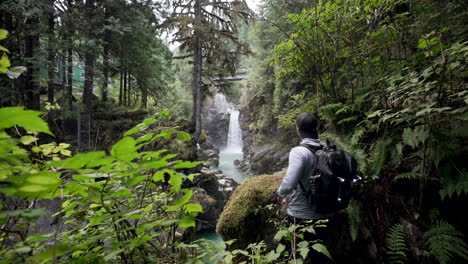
307,125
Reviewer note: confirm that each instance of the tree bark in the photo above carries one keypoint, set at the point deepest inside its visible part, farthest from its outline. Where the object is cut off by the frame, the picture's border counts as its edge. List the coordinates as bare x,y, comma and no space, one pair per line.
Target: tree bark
105,54
121,84
124,85
128,88
144,96
51,55
31,87
89,58
69,90
197,72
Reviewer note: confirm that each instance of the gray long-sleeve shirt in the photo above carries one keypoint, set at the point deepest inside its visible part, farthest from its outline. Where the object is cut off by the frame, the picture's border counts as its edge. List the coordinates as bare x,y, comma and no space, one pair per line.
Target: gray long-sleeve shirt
301,165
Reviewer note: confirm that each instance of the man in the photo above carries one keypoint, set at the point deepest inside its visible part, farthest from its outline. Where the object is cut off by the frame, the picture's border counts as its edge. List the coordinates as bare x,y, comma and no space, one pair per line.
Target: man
302,162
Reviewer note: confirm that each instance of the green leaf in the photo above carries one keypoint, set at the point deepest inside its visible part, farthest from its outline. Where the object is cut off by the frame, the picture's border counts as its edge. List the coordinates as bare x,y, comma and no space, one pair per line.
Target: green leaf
33,188
4,63
193,208
4,49
135,180
79,160
322,249
186,164
45,178
154,164
183,136
113,255
3,34
125,149
175,181
15,72
181,201
27,119
187,222
304,251
51,252
28,214
26,140
422,43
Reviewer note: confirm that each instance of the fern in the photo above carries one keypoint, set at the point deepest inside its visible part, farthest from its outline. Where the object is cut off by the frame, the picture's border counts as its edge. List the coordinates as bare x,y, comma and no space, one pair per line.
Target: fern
396,245
459,186
347,120
444,242
381,149
408,176
354,218
357,135
357,153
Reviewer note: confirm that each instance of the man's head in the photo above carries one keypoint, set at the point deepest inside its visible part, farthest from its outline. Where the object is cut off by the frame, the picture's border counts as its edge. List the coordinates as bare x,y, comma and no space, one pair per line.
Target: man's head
306,125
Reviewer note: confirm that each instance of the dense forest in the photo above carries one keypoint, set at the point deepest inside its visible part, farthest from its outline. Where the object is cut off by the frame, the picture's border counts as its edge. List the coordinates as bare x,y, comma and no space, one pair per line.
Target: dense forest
116,117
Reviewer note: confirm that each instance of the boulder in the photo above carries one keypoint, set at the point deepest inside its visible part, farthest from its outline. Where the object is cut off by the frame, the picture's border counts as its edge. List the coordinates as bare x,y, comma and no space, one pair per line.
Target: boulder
227,186
207,219
245,216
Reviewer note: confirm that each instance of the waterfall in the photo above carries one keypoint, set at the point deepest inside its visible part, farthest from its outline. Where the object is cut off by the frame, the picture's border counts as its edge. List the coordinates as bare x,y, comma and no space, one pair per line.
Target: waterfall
234,143
220,104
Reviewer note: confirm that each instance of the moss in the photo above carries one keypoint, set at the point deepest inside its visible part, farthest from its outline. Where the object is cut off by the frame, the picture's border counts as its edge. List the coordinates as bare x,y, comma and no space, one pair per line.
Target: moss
241,218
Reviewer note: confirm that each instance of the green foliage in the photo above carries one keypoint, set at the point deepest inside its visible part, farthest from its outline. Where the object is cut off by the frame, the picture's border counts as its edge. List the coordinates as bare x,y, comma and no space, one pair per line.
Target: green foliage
121,207
444,242
354,218
396,246
459,186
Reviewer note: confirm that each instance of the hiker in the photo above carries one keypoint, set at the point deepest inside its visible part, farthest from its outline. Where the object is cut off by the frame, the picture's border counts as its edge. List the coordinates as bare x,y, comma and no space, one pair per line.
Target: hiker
301,164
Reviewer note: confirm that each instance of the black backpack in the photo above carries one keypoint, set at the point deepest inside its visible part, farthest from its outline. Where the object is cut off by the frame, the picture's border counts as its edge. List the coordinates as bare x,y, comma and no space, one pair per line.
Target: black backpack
334,180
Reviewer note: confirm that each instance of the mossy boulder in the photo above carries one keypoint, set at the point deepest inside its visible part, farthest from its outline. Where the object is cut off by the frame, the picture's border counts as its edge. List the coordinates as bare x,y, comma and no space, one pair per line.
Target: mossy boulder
246,214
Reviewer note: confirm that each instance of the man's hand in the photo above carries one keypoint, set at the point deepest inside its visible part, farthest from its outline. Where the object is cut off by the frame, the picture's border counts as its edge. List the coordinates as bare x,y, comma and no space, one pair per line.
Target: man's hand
279,200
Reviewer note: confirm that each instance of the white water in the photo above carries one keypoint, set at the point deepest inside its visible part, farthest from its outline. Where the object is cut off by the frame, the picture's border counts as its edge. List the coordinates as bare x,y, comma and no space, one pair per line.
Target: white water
220,103
234,142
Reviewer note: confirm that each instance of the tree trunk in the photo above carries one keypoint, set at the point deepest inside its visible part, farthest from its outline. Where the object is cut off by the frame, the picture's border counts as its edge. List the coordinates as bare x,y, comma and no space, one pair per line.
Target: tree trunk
197,72
105,54
144,96
124,86
51,56
89,58
69,90
121,84
128,89
32,90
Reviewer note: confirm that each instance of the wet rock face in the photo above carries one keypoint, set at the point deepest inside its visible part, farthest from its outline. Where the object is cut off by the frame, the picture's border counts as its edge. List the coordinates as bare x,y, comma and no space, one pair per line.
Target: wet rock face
215,119
209,153
212,191
263,161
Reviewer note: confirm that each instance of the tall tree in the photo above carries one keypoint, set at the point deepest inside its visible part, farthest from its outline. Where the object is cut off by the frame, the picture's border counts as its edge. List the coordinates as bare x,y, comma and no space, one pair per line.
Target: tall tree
207,31
89,55
51,52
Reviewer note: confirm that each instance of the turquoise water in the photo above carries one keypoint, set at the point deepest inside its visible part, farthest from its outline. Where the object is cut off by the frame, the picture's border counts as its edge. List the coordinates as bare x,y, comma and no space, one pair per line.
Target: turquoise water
213,236
226,164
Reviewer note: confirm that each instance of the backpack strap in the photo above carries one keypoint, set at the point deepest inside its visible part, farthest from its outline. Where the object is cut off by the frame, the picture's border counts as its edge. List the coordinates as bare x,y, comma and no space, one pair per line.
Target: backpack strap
312,149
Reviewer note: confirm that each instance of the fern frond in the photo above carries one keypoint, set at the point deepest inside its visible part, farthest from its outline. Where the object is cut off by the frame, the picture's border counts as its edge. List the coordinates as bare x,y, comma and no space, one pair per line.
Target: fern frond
444,242
357,135
408,176
381,149
360,156
459,186
354,218
347,120
396,245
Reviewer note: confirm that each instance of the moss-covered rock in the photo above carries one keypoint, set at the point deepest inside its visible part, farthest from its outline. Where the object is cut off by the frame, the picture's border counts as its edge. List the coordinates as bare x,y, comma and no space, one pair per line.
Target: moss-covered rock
245,216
